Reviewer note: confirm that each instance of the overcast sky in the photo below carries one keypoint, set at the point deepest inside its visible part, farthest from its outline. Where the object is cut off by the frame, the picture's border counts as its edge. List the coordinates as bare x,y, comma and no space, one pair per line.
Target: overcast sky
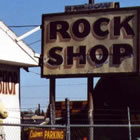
34,89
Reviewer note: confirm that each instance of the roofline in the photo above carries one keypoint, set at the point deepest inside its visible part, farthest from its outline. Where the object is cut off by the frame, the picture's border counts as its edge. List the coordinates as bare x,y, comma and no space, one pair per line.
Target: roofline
30,52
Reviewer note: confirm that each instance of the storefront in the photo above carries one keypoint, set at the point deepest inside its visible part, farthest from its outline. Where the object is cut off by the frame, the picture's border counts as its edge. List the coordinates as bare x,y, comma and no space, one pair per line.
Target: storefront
13,56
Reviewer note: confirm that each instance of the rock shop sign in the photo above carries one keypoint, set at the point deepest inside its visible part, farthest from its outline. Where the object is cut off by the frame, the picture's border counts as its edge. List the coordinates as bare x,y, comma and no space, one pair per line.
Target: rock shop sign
94,42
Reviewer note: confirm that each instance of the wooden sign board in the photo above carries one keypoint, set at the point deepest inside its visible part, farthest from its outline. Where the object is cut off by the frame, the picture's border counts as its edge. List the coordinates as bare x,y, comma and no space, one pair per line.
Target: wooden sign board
97,43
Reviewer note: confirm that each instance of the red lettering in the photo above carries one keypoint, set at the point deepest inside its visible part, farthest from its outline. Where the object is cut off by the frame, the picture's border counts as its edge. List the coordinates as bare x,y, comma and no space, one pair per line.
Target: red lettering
8,82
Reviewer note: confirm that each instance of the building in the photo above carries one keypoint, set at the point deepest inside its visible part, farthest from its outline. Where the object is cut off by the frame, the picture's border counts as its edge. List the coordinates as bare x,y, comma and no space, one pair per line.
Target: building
14,54
116,101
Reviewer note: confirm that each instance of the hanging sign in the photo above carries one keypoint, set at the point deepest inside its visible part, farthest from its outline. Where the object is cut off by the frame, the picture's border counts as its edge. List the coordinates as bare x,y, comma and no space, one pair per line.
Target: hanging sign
90,42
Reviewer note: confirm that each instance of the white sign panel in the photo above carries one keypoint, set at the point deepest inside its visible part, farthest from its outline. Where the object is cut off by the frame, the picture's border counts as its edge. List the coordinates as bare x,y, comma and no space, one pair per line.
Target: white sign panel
93,42
9,102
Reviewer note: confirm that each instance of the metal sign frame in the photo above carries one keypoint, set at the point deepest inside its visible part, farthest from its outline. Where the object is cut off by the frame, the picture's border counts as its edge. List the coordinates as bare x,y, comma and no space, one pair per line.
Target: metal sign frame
137,9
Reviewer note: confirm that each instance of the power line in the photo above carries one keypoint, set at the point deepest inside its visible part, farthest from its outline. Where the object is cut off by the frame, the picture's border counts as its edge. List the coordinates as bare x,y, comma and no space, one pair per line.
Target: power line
32,43
34,86
22,26
46,98
35,72
69,84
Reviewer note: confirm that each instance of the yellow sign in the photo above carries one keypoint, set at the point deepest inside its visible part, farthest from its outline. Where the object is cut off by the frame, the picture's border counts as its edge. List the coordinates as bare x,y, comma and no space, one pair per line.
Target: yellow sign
46,134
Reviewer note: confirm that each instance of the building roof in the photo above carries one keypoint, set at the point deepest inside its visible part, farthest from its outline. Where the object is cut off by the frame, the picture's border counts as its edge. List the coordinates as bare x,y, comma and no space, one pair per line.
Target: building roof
15,52
75,108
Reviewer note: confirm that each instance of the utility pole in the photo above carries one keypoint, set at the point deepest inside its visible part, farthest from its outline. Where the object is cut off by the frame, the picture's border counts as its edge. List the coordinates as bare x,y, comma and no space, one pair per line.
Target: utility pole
90,100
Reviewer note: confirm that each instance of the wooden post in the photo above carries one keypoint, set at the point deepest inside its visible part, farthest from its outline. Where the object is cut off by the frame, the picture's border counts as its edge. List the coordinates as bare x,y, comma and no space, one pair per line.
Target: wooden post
67,101
90,107
91,1
129,124
90,100
52,101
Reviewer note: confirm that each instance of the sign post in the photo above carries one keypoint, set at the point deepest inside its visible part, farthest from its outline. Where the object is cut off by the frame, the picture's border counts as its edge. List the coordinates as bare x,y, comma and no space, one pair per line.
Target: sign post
91,1
90,107
68,118
90,100
52,101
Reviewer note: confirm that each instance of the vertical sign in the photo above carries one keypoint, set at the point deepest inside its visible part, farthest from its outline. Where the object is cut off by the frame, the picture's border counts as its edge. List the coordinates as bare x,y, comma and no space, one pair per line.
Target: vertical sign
9,102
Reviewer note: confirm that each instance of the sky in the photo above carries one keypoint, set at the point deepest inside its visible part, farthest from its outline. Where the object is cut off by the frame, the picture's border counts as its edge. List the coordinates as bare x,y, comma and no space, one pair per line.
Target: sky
34,89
